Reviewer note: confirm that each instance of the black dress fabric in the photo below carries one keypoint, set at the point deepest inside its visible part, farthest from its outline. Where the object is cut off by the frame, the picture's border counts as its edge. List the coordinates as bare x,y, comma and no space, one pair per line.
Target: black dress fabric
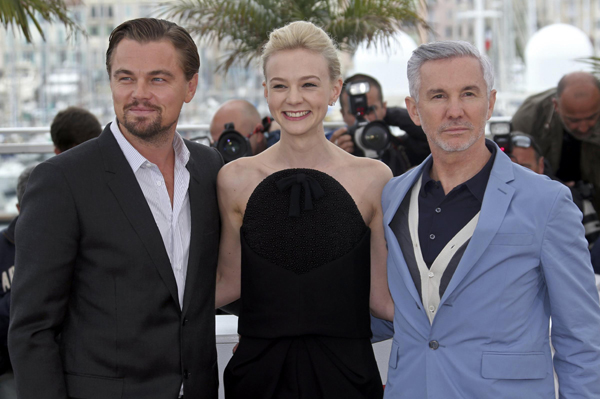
304,318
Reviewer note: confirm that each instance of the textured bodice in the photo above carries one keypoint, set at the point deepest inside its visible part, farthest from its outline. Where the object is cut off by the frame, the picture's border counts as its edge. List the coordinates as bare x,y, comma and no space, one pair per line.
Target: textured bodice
305,259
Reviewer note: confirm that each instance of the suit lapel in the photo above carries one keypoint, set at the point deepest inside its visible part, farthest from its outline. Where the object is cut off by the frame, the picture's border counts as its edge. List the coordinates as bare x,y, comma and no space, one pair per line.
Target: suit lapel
497,198
123,183
195,193
399,263
398,191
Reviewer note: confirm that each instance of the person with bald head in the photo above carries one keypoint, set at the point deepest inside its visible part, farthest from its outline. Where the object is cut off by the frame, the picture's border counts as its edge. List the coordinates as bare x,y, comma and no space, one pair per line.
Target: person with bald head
244,117
565,122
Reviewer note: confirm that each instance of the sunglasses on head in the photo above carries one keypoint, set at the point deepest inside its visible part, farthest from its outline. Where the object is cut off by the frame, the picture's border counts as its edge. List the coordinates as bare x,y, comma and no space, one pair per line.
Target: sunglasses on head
523,141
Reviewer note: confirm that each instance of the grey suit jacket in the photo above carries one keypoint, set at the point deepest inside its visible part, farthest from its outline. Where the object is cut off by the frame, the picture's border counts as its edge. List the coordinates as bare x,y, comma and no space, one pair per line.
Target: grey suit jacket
95,311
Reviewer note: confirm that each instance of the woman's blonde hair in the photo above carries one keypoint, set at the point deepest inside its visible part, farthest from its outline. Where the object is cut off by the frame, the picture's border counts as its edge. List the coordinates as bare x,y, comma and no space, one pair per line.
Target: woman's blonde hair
307,36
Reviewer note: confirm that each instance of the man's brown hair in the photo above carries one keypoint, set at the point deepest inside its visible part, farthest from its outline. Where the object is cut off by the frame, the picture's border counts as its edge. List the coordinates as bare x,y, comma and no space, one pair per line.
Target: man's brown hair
144,30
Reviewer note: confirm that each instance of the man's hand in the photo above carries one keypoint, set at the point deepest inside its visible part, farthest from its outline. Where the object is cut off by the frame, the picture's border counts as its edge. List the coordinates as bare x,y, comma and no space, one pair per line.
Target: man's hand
343,140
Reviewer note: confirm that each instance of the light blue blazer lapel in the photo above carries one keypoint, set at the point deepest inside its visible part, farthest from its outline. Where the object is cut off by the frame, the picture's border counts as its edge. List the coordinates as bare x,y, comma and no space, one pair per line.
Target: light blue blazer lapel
393,198
496,200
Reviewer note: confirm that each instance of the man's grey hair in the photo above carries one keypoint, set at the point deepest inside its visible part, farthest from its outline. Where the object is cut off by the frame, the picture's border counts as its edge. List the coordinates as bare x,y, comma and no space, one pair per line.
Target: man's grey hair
441,51
22,183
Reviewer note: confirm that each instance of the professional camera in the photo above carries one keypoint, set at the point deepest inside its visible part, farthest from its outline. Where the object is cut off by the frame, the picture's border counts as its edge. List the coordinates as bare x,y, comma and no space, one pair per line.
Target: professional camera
507,139
370,139
501,135
232,144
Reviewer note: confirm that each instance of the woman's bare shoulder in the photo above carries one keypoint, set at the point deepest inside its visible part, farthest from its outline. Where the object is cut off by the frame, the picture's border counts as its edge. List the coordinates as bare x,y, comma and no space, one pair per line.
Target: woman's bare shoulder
371,170
241,175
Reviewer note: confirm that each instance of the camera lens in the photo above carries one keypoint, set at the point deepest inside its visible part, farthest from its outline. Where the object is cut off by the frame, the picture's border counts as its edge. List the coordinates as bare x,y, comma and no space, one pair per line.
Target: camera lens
375,136
233,145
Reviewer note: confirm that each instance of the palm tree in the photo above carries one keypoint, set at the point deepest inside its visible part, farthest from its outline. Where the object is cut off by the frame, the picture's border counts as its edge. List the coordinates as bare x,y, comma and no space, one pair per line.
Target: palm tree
245,24
23,13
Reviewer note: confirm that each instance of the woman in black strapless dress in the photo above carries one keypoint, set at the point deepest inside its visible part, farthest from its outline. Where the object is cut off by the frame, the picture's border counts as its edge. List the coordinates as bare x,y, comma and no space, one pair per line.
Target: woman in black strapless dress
302,240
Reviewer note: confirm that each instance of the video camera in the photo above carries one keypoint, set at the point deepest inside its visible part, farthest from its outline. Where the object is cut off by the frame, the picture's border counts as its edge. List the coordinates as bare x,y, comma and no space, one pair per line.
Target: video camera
370,139
232,144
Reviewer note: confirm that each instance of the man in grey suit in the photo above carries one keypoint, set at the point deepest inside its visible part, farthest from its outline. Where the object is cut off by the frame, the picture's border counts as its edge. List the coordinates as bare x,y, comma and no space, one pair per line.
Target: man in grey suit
113,295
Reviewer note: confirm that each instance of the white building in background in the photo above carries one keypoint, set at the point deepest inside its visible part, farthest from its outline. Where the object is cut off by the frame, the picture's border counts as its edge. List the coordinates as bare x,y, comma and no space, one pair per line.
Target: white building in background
554,51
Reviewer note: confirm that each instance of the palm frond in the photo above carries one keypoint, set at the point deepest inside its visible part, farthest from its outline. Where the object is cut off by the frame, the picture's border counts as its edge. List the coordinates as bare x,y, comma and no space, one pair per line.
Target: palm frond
594,62
243,26
24,13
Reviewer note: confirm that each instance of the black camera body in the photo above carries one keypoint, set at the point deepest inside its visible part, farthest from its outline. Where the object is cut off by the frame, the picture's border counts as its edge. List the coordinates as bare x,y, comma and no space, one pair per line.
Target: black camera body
501,135
232,144
370,139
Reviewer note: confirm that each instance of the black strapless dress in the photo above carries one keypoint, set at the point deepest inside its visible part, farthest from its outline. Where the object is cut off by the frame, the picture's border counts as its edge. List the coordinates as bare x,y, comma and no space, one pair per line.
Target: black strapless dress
304,318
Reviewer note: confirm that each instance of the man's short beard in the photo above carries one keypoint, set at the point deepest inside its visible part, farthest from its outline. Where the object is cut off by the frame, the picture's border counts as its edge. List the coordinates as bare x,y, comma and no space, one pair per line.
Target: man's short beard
154,133
448,146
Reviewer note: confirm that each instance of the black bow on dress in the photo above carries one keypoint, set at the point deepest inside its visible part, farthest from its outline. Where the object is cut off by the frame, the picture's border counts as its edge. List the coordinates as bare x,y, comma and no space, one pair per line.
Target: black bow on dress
312,189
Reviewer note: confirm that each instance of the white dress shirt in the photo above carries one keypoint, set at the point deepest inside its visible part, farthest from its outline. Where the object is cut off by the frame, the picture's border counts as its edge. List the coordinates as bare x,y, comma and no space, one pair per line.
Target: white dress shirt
174,222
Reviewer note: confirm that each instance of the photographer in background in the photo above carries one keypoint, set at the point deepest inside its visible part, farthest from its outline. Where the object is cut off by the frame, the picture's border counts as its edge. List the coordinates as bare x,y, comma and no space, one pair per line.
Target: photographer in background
523,149
565,122
237,130
405,151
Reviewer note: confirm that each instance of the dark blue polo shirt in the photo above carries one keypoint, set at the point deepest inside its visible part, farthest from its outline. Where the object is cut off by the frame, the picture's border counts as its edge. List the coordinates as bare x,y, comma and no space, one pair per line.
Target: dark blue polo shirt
442,216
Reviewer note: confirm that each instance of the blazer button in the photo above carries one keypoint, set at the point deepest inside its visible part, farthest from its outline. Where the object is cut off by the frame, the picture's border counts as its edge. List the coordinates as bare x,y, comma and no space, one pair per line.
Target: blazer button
186,374
184,322
434,345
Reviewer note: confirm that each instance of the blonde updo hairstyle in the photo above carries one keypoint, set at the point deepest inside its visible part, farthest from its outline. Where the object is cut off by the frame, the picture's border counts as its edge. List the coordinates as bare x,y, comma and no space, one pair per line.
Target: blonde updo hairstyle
307,36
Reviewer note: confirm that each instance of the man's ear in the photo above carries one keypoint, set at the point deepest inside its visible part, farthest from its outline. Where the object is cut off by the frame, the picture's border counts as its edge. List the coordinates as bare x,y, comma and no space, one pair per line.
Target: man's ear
411,106
555,103
541,165
492,102
191,89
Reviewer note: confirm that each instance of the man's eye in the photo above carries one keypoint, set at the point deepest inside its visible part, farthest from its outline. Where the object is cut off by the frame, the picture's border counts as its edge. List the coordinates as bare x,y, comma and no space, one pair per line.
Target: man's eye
593,117
310,85
438,96
158,80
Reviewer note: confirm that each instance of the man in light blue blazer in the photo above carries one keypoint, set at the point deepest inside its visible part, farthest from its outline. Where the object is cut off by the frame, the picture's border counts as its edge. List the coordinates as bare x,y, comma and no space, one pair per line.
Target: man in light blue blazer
482,253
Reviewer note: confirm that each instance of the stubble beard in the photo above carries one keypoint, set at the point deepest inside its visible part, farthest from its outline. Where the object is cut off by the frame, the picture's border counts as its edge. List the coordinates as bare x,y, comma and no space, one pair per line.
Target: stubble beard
449,145
150,131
